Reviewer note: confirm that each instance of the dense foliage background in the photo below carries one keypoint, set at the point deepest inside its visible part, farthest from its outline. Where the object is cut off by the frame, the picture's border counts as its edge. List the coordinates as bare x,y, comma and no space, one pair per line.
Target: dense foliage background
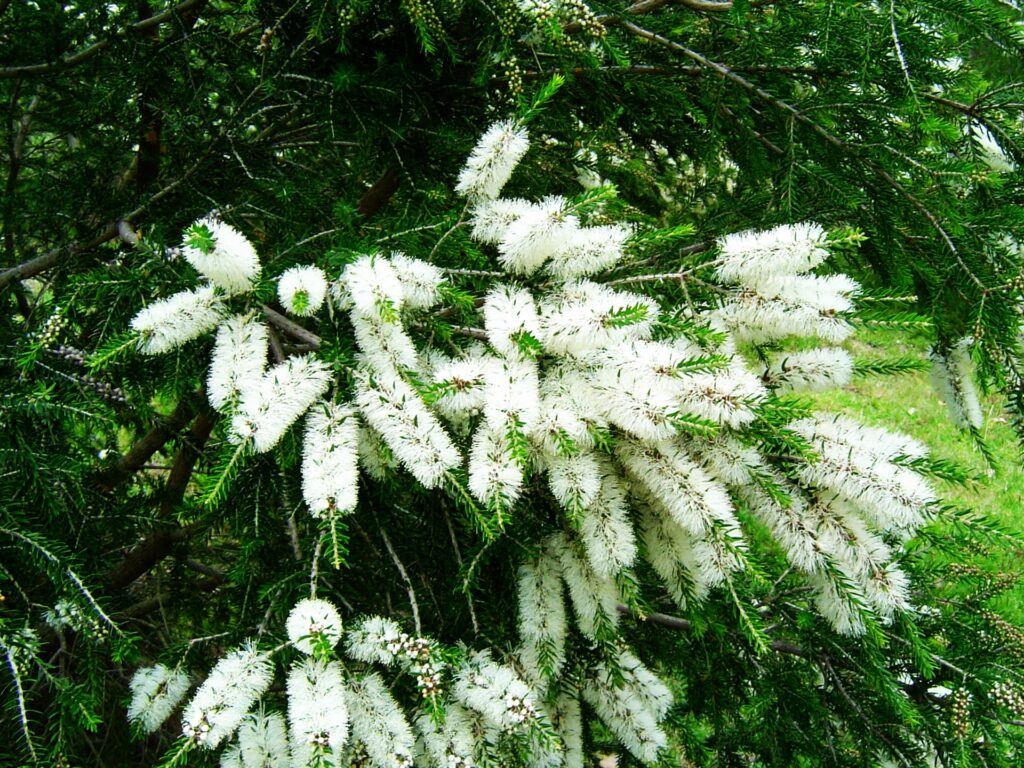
324,128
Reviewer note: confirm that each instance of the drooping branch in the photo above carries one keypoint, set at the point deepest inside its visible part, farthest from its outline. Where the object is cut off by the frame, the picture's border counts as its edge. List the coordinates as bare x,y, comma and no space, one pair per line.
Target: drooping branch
674,622
728,74
84,55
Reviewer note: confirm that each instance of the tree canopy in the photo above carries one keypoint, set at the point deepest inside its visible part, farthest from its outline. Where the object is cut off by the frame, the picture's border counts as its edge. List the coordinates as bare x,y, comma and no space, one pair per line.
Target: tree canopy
428,374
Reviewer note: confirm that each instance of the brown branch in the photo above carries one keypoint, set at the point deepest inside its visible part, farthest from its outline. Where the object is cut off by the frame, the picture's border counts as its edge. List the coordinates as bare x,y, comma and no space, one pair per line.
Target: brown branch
377,196
80,57
158,545
674,622
140,453
292,328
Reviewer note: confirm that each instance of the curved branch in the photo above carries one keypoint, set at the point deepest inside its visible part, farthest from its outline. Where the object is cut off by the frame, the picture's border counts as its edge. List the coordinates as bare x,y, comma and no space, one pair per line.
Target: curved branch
74,59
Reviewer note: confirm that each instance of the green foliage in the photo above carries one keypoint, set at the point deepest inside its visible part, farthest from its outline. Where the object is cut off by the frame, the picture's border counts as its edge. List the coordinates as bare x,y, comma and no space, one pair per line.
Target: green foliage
327,129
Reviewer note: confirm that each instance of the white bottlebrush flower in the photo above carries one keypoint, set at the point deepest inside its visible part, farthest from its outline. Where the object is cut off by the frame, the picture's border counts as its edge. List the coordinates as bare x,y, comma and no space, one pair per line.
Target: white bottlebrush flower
574,480
512,394
953,379
670,476
991,153
495,473
543,230
372,287
749,257
670,551
379,723
811,370
226,258
167,324
421,281
841,606
226,696
156,691
625,715
495,691
302,290
584,317
263,741
753,318
385,345
452,743
542,623
492,160
605,529
510,318
637,402
285,392
594,600
491,218
374,454
311,622
830,293
459,386
726,397
647,686
239,360
409,429
376,639
590,250
566,717
857,465
330,455
317,713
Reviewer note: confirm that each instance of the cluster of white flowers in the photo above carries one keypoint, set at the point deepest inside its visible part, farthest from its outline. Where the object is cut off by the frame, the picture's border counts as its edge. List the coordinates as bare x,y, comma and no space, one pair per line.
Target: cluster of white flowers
495,691
631,701
222,254
777,299
263,404
586,388
226,696
156,691
547,234
379,724
302,290
262,743
312,621
953,378
381,640
169,323
317,712
330,455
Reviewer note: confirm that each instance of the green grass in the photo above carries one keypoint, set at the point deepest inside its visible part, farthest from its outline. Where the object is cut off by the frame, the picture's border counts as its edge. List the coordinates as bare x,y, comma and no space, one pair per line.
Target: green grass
908,403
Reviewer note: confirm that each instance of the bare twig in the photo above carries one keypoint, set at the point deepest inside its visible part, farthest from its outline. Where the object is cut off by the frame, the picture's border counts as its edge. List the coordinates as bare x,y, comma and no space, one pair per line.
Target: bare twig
405,577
